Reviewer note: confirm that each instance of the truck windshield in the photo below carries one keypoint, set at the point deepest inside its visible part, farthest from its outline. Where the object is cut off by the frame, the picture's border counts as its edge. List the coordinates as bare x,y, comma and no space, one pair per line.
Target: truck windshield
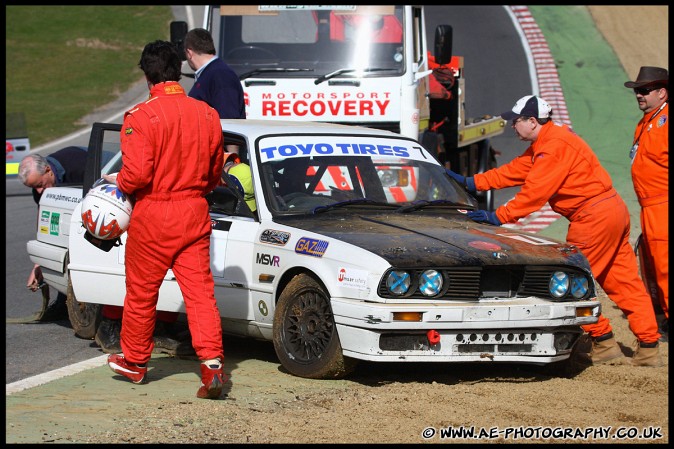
318,40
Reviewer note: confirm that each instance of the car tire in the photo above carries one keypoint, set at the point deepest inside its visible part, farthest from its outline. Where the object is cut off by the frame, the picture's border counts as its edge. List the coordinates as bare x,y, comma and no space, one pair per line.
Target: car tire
84,317
305,334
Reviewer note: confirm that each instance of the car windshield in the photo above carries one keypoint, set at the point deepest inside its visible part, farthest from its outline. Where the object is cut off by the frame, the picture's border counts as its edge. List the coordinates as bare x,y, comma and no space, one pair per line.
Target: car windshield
307,174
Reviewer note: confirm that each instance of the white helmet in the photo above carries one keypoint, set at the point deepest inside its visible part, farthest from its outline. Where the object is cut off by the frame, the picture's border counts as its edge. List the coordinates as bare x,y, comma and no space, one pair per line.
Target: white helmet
106,211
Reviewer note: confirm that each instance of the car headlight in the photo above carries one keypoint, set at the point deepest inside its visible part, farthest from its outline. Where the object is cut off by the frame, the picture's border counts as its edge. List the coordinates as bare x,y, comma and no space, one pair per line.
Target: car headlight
562,284
430,282
398,282
559,284
393,177
579,287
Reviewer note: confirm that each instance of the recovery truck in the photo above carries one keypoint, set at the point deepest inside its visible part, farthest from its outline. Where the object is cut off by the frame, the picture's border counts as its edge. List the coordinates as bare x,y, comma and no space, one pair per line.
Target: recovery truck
356,65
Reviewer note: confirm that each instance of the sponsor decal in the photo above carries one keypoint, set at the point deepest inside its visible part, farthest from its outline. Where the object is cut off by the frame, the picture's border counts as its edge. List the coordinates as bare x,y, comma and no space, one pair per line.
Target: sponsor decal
315,105
54,223
64,198
267,259
172,89
327,149
311,247
662,120
128,131
479,244
44,222
274,237
349,277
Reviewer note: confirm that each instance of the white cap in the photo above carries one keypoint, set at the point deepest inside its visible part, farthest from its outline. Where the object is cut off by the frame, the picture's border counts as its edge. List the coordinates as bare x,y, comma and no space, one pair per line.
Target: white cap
529,106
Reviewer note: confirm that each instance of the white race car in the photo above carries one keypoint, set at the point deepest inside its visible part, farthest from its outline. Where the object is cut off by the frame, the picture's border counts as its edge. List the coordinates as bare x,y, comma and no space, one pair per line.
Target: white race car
360,250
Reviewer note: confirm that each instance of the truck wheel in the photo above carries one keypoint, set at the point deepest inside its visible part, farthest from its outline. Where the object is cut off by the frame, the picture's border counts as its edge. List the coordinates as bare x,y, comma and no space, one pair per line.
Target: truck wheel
84,317
305,334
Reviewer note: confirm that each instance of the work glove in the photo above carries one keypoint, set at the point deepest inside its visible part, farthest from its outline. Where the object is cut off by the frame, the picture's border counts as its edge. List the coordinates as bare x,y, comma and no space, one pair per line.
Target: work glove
467,182
483,216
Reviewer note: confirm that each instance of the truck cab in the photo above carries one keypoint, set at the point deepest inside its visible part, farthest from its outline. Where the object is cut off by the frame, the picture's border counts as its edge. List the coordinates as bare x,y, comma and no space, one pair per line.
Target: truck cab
354,65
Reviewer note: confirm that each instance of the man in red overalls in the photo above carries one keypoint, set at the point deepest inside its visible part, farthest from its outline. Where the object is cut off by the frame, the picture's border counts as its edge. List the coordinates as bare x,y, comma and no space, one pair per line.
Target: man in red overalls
650,174
560,168
172,154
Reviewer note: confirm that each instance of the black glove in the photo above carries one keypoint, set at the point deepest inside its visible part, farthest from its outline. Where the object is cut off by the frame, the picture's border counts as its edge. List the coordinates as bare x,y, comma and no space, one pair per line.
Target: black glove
467,182
483,216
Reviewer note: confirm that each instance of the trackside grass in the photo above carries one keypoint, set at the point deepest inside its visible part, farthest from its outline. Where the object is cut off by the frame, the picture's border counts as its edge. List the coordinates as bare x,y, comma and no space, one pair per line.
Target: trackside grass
63,62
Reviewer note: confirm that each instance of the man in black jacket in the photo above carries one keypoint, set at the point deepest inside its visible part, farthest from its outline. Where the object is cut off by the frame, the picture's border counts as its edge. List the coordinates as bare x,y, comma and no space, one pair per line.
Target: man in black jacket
65,166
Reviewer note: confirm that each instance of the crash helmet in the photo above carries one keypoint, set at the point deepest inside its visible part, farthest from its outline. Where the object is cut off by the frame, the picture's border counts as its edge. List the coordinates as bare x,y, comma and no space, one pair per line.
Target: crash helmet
243,182
106,211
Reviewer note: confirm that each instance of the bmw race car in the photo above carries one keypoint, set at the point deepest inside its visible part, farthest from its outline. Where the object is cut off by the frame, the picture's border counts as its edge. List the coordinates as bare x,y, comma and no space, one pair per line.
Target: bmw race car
360,249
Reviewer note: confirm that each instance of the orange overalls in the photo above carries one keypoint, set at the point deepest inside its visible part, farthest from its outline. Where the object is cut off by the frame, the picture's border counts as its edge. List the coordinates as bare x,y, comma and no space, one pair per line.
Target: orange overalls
650,175
560,168
172,154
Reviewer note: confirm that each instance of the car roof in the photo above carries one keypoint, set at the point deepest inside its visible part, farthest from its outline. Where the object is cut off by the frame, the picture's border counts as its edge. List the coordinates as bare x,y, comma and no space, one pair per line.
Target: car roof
260,127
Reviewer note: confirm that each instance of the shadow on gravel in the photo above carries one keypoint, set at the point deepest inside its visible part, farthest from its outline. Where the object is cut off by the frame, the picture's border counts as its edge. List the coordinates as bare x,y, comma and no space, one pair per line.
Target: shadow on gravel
382,373
377,374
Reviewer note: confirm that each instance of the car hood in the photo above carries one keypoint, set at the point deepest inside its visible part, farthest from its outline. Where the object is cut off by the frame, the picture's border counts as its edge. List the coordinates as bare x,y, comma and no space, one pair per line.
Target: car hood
411,240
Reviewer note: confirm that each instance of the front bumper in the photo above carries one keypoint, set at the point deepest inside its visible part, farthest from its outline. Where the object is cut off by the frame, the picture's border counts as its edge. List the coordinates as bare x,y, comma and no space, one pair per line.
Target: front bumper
523,330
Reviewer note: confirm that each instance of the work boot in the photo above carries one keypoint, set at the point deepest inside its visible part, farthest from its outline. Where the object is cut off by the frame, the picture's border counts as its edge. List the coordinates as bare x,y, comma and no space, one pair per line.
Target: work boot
663,329
646,354
212,379
107,336
172,339
605,349
135,372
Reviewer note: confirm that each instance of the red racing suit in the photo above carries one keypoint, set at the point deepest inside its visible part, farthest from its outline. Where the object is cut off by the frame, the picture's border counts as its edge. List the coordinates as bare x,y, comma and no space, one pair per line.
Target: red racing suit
650,176
560,168
172,154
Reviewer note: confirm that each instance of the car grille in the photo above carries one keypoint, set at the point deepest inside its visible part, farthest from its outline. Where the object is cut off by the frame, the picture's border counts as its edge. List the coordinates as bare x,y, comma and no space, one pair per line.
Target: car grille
472,283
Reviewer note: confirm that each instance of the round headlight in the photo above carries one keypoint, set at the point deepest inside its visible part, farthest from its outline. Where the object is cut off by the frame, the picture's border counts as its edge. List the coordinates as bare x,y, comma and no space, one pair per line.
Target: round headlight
579,286
430,283
559,284
388,178
398,282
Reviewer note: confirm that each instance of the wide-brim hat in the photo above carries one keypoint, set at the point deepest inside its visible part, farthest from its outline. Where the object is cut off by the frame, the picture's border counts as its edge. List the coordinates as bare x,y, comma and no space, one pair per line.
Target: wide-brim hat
649,76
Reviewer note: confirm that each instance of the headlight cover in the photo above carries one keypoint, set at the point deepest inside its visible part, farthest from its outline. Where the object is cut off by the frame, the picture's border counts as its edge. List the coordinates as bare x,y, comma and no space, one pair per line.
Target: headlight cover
563,284
430,282
398,282
559,284
579,286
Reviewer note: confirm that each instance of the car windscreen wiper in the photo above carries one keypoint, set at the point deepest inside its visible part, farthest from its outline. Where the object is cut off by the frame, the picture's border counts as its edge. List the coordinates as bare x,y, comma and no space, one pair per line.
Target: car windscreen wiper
327,76
361,201
243,76
425,203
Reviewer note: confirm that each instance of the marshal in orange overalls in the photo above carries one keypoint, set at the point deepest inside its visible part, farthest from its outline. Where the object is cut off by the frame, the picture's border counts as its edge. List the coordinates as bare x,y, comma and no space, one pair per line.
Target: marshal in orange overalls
560,168
650,176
